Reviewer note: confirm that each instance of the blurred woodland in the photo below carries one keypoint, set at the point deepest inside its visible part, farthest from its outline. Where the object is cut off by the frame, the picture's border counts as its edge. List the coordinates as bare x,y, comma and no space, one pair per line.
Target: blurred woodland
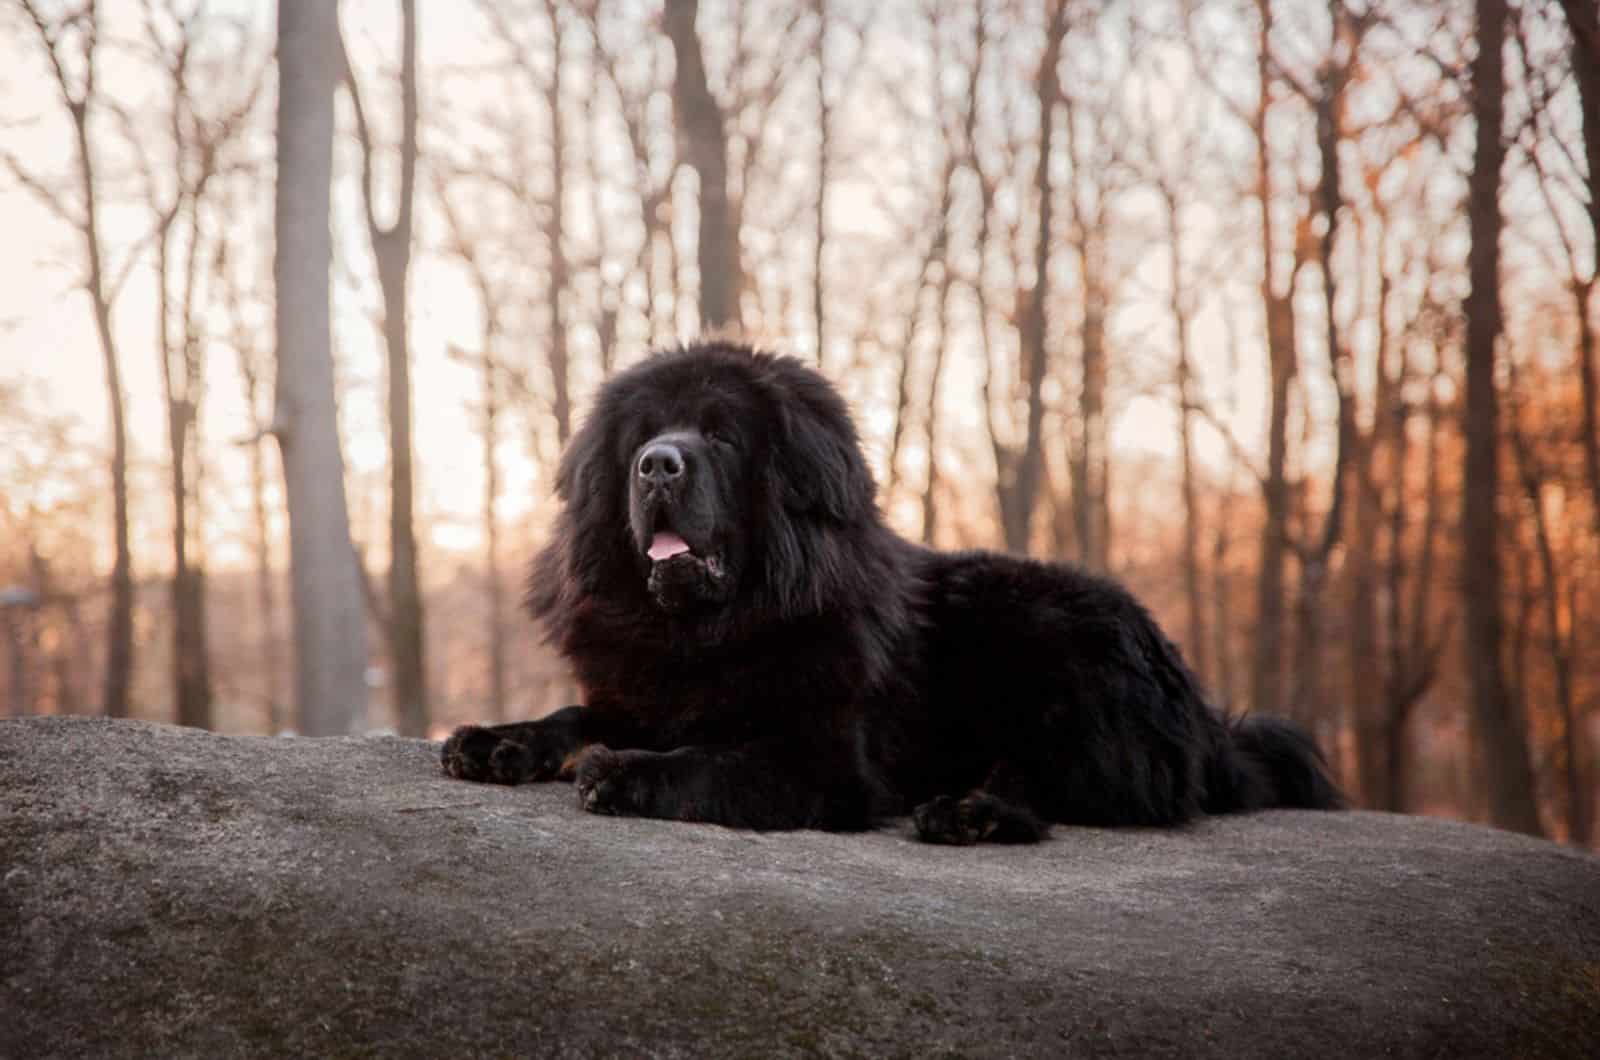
1282,311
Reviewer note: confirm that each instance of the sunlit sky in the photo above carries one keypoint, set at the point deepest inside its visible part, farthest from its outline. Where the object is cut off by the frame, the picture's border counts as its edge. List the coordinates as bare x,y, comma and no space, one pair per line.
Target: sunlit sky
47,335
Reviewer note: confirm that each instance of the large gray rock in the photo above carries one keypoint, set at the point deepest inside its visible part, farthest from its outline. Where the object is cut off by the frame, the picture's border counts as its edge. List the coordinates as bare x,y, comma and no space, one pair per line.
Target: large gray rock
167,892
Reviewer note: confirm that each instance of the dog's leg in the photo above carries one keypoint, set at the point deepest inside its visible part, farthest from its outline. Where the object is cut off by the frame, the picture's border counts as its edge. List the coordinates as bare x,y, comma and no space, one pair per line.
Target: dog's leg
995,812
977,817
743,787
519,752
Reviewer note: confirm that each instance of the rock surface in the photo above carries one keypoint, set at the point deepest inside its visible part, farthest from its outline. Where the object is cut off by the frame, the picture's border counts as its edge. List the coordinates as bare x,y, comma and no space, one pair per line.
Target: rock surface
166,892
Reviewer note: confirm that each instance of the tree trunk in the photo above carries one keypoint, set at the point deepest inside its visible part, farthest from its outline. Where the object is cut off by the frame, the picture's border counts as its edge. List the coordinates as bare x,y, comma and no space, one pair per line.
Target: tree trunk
930,499
75,79
250,366
1195,645
1266,677
329,615
556,292
902,401
19,696
191,676
119,625
1371,455
1413,657
491,529
1577,792
266,594
700,124
1366,699
1317,557
391,249
1086,461
824,165
1222,615
1035,330
1588,384
1500,733
1583,22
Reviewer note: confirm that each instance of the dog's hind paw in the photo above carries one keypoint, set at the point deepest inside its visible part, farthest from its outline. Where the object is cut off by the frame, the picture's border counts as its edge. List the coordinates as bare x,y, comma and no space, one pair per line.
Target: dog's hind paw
975,818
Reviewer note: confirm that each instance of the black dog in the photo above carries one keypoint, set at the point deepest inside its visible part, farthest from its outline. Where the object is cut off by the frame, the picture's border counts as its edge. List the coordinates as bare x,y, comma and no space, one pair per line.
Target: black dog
757,649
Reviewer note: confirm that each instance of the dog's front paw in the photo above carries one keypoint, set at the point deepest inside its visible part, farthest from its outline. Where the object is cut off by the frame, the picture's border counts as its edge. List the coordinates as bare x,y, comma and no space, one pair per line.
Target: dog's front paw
475,753
944,820
601,779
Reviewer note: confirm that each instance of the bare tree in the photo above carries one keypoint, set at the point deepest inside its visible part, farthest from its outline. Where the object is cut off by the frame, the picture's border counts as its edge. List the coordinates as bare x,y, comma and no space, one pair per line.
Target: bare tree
930,268
1413,654
329,614
1583,23
1277,291
653,169
1020,469
1501,737
544,82
1327,99
253,368
462,246
1532,476
1390,595
557,277
933,279
702,128
71,45
391,249
198,135
1090,224
1277,297
1169,173
825,106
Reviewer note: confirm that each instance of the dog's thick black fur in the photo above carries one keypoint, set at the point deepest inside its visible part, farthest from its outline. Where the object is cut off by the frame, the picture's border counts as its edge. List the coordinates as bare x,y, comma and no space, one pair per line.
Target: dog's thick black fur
757,649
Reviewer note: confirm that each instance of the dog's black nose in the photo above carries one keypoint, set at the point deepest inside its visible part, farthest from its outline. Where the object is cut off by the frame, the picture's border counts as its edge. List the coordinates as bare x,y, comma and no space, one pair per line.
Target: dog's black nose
660,462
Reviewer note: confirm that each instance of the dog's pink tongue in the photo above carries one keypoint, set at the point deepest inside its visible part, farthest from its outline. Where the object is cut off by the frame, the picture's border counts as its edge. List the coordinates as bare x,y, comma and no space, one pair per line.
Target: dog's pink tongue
667,544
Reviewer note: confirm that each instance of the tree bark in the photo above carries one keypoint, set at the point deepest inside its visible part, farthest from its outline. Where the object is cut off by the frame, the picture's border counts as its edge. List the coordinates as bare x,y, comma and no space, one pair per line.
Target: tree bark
19,684
556,291
1583,23
1195,647
462,245
491,533
1020,499
1500,732
1371,455
1266,675
1316,557
704,136
329,615
1560,648
1087,458
197,142
266,592
934,255
80,101
191,671
824,166
391,248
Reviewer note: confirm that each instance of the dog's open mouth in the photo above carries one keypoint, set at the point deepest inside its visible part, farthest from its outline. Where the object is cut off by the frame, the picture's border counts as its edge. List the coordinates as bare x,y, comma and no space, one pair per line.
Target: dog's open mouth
665,544
682,576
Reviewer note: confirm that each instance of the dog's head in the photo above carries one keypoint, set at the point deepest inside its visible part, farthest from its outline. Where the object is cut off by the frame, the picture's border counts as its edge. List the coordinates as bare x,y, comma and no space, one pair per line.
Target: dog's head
713,476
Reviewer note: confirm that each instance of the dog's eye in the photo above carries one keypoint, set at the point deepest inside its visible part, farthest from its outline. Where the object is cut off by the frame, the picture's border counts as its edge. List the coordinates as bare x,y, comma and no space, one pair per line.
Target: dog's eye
720,437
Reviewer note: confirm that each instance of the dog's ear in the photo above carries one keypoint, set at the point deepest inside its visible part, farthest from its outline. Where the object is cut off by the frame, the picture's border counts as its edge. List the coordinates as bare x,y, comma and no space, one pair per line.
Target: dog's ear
818,466
581,472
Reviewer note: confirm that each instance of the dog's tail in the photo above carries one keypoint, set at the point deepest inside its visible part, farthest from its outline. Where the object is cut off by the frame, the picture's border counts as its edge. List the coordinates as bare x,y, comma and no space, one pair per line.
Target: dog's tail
1260,761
